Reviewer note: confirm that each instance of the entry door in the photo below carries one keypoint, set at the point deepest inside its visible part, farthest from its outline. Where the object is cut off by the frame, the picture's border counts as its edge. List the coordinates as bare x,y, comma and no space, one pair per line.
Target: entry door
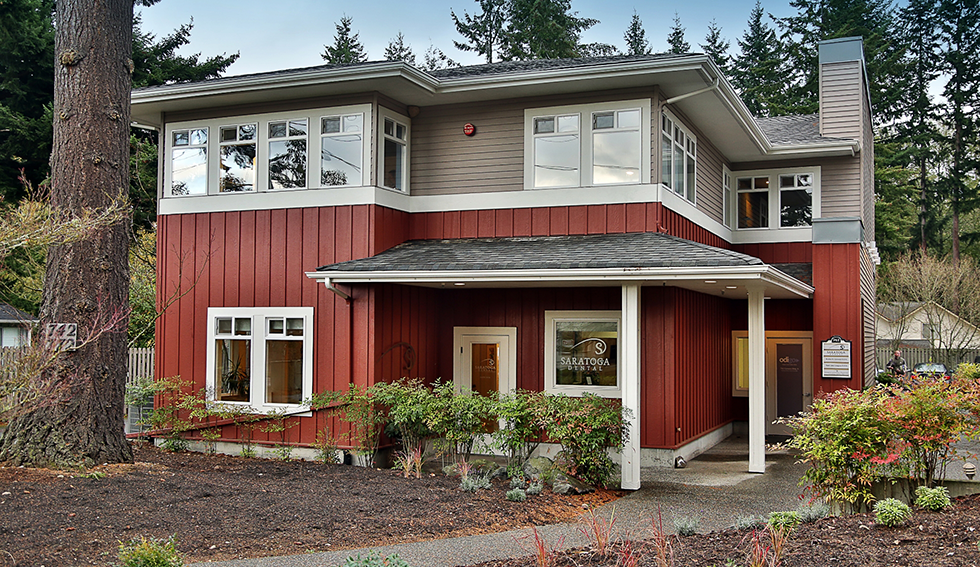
485,360
789,380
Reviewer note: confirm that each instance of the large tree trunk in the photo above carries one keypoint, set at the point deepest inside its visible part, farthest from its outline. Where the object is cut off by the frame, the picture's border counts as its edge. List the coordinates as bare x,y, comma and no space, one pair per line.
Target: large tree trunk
86,282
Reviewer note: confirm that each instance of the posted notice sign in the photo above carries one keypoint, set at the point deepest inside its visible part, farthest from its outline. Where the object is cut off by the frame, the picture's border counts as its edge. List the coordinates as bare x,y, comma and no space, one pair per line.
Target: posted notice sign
835,355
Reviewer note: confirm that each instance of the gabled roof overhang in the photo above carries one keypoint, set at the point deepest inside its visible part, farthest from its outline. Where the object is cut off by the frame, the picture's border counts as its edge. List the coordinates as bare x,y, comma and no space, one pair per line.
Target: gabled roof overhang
717,112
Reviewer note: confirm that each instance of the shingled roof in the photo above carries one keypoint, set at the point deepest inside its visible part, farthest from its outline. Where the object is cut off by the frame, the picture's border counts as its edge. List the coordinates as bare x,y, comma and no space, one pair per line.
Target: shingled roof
796,129
10,314
634,250
502,67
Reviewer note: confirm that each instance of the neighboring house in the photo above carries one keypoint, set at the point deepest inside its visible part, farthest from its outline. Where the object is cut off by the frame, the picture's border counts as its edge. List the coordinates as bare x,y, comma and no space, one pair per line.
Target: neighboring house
621,226
15,326
924,325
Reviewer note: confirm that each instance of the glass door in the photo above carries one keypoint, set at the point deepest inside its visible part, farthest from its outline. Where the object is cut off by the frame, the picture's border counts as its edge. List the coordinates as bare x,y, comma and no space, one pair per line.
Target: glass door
789,380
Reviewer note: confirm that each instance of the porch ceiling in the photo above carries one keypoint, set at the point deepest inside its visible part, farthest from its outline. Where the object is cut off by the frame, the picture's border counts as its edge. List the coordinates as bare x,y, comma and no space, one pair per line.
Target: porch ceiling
599,260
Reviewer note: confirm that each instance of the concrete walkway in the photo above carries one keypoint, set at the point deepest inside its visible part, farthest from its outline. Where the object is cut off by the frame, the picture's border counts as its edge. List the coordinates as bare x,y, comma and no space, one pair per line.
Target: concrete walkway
715,489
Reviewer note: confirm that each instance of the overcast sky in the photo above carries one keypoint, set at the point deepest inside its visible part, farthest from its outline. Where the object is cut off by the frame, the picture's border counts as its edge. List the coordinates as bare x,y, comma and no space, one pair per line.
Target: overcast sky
285,34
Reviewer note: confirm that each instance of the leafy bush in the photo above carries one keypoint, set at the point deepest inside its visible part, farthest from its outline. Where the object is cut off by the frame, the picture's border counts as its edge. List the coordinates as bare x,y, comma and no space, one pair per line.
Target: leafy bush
474,482
523,415
841,438
408,404
458,419
150,553
516,495
935,499
586,427
374,559
325,447
535,488
812,512
686,526
785,521
748,522
891,512
360,408
518,482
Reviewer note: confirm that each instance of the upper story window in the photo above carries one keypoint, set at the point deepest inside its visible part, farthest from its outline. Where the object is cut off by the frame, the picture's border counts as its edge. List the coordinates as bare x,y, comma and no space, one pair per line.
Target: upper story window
268,152
287,154
238,145
678,155
341,149
189,161
394,151
786,195
587,145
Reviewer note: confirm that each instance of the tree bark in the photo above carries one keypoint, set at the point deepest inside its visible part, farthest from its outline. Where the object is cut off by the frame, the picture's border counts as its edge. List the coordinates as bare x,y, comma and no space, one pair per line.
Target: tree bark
86,282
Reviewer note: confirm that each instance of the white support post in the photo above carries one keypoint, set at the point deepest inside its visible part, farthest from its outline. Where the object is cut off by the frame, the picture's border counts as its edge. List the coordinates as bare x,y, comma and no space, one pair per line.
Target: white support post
630,359
757,379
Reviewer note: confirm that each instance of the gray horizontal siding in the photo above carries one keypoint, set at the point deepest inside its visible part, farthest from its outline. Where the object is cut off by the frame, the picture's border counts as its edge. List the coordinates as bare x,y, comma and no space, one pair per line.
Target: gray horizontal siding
841,90
445,161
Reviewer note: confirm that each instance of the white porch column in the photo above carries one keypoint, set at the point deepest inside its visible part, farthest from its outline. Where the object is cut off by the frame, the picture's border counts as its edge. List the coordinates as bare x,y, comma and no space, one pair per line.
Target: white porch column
629,353
757,379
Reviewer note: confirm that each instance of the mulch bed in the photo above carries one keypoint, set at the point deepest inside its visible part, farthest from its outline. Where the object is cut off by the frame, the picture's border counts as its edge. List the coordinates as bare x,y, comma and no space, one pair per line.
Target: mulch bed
223,507
946,538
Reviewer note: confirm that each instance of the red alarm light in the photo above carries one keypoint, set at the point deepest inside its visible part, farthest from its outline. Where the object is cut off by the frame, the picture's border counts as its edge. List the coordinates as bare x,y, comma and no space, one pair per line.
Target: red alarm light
469,129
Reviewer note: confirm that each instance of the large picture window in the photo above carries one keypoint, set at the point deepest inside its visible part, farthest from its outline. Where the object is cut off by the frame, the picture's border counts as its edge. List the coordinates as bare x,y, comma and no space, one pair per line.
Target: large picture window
341,149
582,352
287,154
189,162
587,145
237,158
261,357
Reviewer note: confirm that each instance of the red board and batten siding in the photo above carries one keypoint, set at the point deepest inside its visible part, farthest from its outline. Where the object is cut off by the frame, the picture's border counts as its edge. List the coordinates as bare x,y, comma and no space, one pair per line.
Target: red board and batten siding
837,309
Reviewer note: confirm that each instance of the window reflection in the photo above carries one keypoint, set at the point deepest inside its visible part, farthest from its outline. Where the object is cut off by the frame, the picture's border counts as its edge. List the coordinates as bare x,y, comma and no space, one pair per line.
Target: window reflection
190,171
237,168
616,157
556,161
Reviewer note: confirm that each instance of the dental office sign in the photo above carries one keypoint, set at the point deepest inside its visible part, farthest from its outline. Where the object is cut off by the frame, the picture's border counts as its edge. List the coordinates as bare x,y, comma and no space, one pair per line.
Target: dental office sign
835,357
586,353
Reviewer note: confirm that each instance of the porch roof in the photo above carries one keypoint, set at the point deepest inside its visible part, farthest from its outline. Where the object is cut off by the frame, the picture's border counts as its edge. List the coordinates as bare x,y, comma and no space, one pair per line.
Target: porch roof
580,260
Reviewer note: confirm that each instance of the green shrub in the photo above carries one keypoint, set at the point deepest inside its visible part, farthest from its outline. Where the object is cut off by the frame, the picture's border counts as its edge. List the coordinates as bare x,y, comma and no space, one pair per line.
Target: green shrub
748,522
586,427
523,415
458,419
408,404
686,526
935,499
535,488
325,447
518,482
373,559
516,495
891,512
786,521
150,553
812,512
474,482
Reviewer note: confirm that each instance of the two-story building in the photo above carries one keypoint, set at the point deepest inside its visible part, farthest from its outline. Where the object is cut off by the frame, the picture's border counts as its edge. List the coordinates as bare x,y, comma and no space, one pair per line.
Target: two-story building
621,226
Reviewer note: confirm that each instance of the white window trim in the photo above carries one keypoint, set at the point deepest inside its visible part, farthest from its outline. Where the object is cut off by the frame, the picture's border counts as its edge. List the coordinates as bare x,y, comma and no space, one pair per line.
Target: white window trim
258,316
406,174
728,200
688,135
262,148
585,112
550,318
774,197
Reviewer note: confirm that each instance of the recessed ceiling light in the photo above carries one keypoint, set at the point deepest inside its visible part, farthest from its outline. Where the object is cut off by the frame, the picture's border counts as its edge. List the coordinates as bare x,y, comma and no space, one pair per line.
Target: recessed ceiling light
710,281
731,287
459,283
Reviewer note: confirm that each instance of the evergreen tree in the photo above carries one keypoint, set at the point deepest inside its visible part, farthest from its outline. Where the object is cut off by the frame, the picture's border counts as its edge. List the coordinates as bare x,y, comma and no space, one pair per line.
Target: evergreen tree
596,50
676,37
635,37
346,48
759,72
157,63
483,32
915,134
716,47
26,92
960,28
543,29
398,51
434,59
818,20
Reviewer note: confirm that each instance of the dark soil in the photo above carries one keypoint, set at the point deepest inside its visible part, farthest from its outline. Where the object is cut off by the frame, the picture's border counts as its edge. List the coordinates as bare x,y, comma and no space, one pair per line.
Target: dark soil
222,507
948,538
